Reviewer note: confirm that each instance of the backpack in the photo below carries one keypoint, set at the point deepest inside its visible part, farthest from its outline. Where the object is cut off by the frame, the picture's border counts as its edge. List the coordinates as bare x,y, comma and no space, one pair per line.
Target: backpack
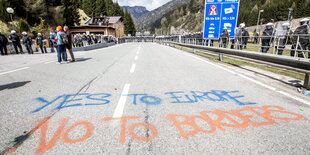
65,38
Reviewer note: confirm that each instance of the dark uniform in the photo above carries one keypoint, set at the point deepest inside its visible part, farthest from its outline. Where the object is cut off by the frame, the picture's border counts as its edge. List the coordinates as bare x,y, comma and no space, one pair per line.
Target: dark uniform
40,43
267,38
303,40
224,38
3,44
28,43
16,43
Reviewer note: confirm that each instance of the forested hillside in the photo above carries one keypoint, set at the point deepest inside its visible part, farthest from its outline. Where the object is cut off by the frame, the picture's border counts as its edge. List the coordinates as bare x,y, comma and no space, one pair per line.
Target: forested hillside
62,12
190,17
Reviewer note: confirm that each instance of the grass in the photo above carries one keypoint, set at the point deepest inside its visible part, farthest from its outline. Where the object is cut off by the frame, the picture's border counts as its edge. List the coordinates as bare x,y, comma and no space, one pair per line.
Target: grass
256,48
237,62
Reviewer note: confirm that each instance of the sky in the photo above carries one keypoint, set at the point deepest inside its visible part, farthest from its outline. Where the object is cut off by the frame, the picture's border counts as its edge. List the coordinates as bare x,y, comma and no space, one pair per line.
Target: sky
149,4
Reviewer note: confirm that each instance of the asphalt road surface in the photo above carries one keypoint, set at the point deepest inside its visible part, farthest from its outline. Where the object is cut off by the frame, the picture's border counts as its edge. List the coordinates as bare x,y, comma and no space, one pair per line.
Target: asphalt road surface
146,98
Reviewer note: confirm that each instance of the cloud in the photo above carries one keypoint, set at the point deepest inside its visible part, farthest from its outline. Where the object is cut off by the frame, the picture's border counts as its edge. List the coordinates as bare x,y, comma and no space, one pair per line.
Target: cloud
149,4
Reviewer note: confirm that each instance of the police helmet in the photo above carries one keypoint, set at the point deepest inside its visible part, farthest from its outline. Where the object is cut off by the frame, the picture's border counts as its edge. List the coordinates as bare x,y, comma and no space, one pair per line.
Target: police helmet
24,33
242,25
13,32
304,21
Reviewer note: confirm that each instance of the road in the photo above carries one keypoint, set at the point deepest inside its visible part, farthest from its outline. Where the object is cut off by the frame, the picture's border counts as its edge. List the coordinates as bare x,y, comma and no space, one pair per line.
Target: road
146,98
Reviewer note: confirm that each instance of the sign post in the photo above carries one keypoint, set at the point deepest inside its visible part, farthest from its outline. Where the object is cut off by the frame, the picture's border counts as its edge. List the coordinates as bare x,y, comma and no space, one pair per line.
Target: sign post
220,14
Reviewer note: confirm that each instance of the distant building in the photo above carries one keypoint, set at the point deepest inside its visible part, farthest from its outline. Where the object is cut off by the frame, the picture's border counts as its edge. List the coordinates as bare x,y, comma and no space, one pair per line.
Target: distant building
107,25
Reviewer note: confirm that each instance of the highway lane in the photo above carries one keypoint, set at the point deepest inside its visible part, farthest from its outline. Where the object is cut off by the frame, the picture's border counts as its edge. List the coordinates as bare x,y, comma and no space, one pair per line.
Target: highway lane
145,98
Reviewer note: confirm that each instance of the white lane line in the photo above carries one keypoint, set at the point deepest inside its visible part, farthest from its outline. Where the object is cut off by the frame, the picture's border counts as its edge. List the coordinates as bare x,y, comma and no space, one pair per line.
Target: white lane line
139,48
49,62
133,67
136,58
15,70
121,103
253,80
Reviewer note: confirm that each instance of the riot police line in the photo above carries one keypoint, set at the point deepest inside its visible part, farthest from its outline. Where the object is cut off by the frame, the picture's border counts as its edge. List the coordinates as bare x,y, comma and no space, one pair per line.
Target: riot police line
136,39
271,40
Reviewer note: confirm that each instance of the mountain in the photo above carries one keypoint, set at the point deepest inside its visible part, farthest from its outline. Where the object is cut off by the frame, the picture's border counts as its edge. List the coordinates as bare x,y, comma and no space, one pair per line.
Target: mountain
136,11
190,17
146,21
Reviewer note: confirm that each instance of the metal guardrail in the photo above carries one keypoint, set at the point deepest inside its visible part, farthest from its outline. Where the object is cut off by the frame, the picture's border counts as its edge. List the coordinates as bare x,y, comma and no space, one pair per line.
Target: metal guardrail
291,63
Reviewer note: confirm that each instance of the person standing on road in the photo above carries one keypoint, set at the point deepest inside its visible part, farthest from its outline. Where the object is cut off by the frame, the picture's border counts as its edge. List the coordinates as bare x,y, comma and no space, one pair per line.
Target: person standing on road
84,39
224,38
62,39
3,43
52,40
40,43
283,37
302,41
16,42
267,37
69,43
27,42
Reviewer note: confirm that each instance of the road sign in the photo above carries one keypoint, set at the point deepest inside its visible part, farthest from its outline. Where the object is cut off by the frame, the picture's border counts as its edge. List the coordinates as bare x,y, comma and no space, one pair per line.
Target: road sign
220,14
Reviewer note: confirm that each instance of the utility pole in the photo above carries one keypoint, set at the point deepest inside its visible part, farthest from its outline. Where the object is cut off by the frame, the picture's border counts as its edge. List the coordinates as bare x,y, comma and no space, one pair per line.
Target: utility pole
258,20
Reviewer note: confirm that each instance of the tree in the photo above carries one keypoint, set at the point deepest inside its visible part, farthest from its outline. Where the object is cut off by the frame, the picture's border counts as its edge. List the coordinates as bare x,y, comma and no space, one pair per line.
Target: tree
23,25
129,24
3,14
71,14
90,7
101,8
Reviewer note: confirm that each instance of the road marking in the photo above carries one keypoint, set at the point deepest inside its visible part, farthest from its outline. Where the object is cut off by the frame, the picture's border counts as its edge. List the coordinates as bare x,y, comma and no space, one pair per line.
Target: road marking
139,48
15,70
136,58
133,67
121,103
49,62
253,80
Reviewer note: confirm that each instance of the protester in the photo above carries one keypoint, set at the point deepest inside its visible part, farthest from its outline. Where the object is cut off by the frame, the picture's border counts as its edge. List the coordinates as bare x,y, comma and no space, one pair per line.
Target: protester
3,44
27,42
84,39
283,37
301,42
69,43
61,48
16,42
40,43
267,38
224,38
89,40
52,40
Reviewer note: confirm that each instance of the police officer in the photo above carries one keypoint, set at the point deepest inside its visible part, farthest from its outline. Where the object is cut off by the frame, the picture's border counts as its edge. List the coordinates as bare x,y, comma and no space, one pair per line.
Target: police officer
16,42
27,42
224,37
241,34
303,41
283,37
3,44
267,37
40,43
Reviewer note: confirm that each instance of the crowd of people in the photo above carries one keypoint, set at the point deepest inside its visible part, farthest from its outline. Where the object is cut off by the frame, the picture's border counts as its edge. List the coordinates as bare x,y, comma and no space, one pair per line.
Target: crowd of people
60,39
279,38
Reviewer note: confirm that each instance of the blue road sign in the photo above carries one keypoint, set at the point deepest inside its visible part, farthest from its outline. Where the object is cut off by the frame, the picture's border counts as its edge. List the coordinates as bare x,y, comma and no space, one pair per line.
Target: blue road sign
220,14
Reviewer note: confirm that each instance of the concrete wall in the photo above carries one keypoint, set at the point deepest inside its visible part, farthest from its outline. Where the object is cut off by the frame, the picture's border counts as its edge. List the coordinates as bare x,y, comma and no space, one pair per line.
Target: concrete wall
93,47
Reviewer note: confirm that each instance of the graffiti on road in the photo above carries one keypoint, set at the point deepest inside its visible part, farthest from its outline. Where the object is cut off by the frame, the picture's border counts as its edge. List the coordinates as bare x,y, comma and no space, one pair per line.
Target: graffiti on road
178,97
207,122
